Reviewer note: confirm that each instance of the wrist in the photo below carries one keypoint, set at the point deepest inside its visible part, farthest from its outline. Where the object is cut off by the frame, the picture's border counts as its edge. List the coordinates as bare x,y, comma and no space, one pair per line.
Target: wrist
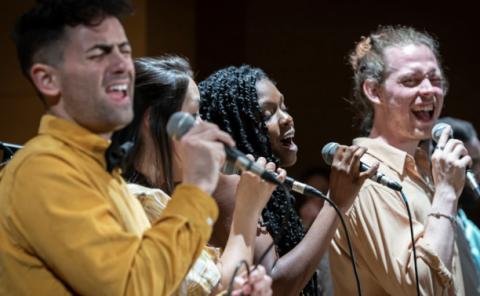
446,193
342,206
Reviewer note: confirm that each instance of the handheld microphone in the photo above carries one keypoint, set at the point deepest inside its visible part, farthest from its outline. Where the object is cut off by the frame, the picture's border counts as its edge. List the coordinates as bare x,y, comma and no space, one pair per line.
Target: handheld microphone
181,122
302,188
469,176
328,152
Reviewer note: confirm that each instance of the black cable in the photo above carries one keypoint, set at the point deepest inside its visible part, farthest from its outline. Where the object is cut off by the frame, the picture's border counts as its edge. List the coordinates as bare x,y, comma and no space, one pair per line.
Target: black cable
232,280
413,241
347,236
264,254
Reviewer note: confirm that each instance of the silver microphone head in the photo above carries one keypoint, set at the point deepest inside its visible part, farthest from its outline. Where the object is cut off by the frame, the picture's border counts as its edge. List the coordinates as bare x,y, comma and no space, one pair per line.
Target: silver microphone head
438,129
328,152
179,124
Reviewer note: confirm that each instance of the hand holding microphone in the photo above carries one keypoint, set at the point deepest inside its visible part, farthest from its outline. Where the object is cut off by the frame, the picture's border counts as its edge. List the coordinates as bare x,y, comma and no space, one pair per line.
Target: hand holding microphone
450,161
348,172
253,192
329,152
180,123
202,152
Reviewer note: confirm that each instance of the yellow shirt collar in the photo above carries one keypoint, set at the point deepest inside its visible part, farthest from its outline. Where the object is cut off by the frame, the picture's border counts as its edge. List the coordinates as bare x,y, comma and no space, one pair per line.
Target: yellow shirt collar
75,135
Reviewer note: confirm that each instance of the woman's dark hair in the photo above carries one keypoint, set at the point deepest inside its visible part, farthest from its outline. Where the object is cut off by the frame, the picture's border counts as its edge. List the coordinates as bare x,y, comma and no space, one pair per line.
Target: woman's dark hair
160,87
229,99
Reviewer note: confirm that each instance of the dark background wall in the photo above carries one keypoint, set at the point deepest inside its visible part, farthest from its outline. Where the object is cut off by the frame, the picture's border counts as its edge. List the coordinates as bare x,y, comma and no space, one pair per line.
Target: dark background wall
301,44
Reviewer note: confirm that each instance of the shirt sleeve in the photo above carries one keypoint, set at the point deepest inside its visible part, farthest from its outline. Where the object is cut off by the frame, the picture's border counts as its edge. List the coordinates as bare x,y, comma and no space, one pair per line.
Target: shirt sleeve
381,236
73,228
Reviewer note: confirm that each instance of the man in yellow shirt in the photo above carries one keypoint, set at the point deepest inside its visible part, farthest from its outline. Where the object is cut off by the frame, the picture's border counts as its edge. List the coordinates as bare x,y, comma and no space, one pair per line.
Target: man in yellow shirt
67,224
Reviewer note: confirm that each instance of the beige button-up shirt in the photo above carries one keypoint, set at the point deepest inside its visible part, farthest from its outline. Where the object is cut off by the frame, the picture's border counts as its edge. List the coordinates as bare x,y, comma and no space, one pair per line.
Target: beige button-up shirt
380,232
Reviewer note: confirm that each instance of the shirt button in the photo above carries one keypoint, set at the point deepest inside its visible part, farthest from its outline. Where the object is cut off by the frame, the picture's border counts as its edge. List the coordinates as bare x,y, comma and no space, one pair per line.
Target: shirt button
209,221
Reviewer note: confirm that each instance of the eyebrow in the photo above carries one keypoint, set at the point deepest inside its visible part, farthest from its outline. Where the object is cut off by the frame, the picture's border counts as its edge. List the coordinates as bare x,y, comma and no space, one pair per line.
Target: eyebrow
107,47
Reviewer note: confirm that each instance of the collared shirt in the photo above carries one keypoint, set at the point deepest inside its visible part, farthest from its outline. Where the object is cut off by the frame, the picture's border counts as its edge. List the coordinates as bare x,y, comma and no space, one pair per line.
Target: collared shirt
380,232
204,275
67,226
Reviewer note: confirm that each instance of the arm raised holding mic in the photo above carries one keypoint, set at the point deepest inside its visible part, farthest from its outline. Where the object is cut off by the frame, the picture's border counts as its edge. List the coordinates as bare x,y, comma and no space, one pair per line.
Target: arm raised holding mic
293,269
251,196
449,163
346,177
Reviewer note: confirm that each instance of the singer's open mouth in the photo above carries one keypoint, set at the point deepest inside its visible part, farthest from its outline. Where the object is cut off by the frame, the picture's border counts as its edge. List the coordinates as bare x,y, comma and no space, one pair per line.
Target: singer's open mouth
287,141
424,113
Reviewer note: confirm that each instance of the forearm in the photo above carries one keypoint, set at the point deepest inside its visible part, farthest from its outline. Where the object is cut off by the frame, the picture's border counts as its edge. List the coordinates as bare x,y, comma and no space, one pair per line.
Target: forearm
439,232
241,241
294,269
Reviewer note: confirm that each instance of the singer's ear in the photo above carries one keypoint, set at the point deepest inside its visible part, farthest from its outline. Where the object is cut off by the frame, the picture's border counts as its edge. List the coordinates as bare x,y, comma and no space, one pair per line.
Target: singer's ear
371,88
46,80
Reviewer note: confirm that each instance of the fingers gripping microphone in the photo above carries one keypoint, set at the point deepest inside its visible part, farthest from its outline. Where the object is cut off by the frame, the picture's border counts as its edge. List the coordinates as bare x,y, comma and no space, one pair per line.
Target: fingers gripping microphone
181,122
328,152
470,176
438,129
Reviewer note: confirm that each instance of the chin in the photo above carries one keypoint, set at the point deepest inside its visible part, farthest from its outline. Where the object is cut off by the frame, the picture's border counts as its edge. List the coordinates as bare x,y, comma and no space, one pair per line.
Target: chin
423,133
288,161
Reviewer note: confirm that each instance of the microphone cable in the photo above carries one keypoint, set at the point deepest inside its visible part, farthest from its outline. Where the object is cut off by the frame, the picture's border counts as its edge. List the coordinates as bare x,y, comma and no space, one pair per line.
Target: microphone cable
347,236
317,194
410,220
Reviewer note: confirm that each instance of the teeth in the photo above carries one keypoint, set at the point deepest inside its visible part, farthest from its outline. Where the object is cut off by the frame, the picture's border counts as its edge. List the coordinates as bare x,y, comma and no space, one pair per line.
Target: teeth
424,108
118,87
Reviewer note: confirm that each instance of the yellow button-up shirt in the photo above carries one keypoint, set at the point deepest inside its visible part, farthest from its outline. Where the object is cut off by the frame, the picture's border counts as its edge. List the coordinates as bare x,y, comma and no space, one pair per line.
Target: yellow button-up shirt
67,226
380,232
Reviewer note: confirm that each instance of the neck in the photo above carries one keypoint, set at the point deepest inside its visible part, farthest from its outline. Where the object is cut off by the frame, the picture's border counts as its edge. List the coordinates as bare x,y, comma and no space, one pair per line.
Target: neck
408,146
60,113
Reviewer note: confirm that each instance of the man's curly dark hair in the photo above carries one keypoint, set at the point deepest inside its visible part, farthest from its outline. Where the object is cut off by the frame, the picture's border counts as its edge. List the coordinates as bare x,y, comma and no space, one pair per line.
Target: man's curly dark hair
39,33
229,99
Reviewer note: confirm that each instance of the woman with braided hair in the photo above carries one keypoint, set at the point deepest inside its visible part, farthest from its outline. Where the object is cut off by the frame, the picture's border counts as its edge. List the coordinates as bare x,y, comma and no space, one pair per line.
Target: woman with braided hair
245,103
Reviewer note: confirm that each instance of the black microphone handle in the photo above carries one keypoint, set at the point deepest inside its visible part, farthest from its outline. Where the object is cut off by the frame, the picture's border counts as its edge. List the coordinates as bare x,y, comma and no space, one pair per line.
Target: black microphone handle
302,188
472,183
381,178
241,161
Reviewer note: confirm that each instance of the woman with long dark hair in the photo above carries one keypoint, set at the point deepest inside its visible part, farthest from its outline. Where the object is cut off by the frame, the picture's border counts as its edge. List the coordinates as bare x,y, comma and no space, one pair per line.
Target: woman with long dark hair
164,86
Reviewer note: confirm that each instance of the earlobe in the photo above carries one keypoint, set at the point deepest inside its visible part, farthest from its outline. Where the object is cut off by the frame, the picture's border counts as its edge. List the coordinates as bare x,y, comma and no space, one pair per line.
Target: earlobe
371,90
45,79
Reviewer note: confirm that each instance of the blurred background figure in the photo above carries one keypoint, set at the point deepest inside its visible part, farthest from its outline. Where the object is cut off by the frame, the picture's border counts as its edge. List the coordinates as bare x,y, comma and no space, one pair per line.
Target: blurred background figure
308,209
